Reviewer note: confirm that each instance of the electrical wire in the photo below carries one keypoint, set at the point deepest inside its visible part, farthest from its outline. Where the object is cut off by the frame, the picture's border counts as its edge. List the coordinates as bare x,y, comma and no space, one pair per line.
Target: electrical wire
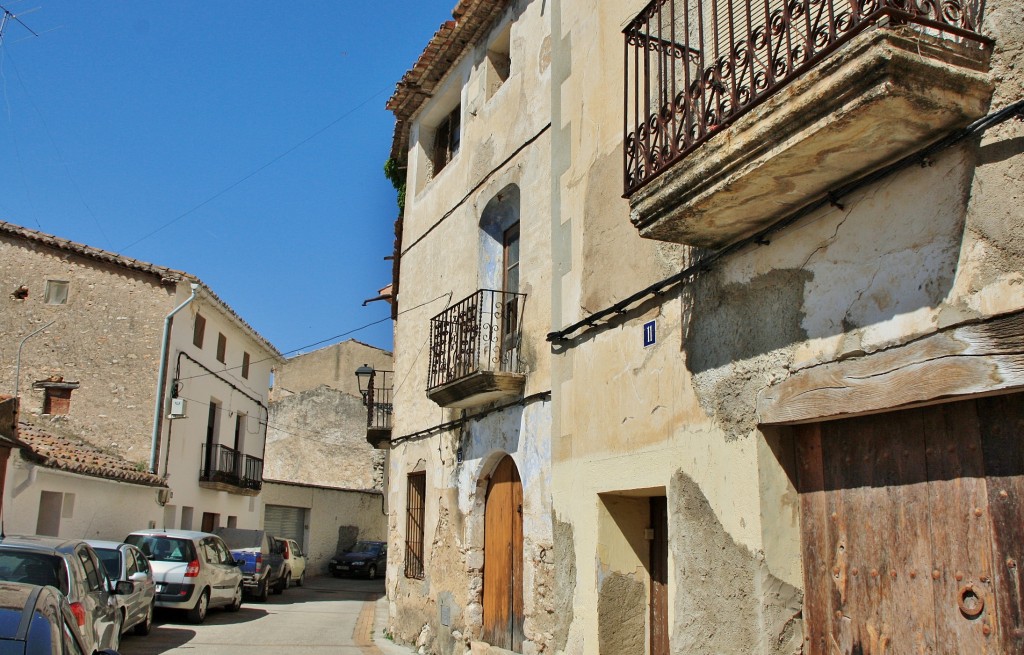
322,341
257,171
567,335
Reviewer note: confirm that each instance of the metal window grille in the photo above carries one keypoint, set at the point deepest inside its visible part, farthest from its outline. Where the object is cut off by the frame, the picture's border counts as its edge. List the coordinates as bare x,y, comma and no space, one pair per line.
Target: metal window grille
415,514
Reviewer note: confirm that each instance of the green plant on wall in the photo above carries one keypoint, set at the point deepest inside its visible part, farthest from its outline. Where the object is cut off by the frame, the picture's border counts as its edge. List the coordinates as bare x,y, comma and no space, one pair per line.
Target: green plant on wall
395,175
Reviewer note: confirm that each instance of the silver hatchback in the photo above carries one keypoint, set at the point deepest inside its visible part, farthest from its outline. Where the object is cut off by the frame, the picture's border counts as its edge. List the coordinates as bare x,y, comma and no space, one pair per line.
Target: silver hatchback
126,563
193,571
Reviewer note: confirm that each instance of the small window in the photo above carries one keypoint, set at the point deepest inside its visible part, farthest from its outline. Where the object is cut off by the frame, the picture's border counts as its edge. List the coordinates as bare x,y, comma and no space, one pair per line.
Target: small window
245,365
56,292
199,331
499,60
415,514
232,521
222,348
447,139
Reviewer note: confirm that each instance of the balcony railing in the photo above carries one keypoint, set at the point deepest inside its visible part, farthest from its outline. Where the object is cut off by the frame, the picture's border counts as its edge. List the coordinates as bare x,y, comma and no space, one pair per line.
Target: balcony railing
478,334
227,467
378,401
252,475
694,66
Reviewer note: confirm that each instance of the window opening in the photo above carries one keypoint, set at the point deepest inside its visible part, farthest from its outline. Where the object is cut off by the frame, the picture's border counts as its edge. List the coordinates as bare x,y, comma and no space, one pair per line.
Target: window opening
222,347
415,511
199,331
245,365
447,139
56,292
499,60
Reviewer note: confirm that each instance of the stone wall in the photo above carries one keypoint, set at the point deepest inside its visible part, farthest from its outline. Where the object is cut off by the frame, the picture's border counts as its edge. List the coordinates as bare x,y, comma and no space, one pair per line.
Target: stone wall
106,338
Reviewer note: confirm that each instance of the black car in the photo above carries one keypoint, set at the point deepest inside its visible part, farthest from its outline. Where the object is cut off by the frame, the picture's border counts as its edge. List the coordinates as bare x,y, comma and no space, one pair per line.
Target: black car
37,620
366,558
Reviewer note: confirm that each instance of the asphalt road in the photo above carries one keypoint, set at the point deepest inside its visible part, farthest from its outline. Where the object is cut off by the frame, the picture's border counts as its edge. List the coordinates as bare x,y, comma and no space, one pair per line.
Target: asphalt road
324,616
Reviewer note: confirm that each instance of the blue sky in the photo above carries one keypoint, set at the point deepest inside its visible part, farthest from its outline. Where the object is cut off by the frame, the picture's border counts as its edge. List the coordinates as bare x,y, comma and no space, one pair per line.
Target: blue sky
254,131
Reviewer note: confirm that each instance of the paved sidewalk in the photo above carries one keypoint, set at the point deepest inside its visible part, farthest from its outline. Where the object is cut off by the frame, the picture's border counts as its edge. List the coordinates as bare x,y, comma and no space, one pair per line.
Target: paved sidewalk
379,622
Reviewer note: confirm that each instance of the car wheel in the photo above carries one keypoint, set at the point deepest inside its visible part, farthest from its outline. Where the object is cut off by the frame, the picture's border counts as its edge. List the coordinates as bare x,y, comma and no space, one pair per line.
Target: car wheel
302,579
146,625
198,613
288,580
236,602
279,587
263,591
371,573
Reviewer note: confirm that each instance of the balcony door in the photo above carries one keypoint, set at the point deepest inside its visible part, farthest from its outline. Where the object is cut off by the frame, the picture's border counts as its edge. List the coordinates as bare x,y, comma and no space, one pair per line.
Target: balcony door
510,299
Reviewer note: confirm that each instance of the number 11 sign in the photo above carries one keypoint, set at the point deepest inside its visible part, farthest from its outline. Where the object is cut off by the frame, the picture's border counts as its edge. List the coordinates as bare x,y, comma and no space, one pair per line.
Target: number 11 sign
650,335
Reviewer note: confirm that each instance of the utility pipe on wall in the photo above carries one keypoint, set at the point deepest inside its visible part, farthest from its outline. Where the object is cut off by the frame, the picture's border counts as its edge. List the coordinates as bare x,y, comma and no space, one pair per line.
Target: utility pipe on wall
17,366
160,379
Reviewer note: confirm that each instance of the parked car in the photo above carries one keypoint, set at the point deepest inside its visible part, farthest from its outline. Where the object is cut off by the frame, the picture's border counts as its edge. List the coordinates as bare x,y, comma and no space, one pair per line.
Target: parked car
262,558
126,563
37,620
367,558
294,562
193,571
74,569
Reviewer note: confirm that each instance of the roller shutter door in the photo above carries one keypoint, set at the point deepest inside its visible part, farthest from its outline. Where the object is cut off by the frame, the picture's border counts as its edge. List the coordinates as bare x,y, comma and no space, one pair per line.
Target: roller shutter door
285,522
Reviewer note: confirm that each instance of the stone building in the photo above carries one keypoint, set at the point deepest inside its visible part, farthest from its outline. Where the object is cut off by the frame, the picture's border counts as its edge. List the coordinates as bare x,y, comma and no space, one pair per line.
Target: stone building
772,266
324,482
84,332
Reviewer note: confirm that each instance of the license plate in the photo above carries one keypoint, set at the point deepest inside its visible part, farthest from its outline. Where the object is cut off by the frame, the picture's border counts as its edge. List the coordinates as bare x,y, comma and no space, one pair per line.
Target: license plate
343,567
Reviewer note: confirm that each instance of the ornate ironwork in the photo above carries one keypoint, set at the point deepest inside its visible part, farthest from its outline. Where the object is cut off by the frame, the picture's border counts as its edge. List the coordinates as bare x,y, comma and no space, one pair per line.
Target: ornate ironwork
479,333
694,66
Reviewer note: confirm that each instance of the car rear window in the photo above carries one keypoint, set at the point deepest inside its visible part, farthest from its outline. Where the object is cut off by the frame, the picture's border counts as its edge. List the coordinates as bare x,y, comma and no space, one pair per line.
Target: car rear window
160,548
33,568
111,560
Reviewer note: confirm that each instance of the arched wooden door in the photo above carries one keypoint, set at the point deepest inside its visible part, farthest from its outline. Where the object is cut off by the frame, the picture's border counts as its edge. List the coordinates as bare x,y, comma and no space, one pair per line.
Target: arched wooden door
503,558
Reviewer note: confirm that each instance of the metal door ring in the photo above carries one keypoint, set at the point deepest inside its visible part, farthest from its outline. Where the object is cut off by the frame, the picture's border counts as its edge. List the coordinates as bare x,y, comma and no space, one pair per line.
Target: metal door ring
971,603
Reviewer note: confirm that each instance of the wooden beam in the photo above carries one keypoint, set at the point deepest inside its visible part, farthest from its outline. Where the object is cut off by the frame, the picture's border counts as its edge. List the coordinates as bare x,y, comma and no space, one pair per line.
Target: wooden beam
982,358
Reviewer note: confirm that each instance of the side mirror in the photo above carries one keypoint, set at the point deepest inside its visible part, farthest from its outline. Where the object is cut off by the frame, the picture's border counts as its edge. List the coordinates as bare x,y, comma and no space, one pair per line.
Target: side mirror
124,587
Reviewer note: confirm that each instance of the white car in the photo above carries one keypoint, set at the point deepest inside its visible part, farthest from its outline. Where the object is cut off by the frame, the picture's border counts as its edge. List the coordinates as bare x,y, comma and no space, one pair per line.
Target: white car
126,563
294,564
193,571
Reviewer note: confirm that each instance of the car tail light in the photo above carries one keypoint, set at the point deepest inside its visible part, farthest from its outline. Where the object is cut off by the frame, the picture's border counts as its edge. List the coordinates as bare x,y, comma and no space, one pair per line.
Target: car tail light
259,561
193,569
79,611
287,553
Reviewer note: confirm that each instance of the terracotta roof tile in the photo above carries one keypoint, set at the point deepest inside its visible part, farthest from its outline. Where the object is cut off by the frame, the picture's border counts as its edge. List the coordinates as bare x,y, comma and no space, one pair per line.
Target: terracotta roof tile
166,275
451,41
76,456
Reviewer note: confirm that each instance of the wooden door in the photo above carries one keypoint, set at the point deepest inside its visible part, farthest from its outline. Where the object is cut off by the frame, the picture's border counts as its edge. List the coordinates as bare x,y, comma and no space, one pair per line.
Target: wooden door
659,576
903,549
503,558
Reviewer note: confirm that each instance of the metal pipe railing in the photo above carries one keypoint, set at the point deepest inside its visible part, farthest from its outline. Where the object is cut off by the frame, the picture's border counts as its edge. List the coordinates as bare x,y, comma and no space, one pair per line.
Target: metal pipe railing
694,66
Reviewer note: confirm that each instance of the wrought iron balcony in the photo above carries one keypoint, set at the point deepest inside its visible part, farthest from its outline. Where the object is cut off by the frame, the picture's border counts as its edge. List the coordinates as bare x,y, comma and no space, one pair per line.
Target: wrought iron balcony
226,469
475,350
812,92
379,407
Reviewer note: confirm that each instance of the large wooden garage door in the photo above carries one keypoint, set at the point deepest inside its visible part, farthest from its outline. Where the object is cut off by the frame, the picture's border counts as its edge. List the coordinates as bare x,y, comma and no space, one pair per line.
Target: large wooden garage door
503,558
913,530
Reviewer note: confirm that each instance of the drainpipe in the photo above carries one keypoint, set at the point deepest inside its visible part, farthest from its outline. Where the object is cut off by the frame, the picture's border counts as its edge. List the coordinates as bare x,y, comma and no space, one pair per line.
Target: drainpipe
158,410
17,366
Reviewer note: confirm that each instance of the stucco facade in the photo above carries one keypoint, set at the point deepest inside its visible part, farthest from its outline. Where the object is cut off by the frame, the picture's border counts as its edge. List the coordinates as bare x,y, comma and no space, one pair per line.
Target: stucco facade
876,294
336,518
89,325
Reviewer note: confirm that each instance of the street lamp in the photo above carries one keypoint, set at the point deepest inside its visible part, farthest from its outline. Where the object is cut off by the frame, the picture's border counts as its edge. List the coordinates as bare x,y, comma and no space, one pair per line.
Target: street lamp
364,376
